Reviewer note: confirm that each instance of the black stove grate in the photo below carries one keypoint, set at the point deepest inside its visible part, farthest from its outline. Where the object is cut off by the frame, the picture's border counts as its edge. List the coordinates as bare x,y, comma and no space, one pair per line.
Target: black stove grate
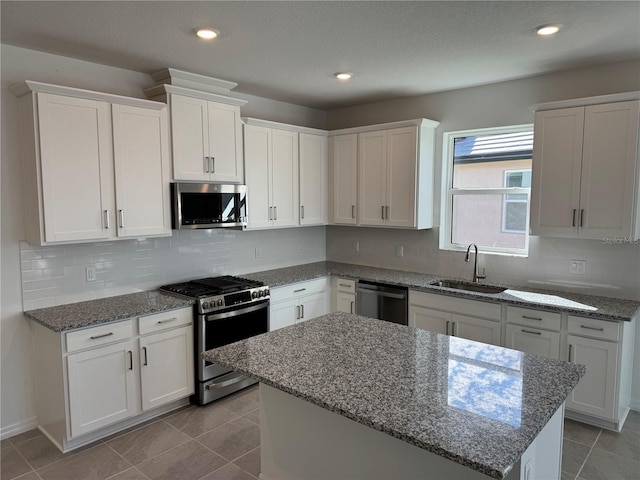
205,287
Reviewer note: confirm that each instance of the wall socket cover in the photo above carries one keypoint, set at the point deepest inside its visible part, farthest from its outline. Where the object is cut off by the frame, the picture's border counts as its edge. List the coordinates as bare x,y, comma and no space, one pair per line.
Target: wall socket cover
258,252
90,273
577,267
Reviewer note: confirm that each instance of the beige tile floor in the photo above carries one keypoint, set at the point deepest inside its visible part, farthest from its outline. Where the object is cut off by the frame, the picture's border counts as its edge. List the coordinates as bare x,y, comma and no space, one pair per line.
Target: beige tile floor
221,442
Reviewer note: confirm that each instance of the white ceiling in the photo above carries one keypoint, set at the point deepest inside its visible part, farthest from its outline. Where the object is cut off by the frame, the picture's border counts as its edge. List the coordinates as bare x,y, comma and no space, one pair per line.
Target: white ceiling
289,51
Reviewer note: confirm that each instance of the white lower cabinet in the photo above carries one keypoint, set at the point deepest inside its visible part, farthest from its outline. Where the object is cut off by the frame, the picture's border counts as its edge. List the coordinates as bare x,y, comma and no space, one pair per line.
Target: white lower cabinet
103,387
470,319
344,298
95,381
297,302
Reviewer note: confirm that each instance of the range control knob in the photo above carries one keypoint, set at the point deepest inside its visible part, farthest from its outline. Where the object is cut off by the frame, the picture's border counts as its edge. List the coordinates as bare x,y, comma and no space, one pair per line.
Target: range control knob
266,292
205,305
254,294
220,302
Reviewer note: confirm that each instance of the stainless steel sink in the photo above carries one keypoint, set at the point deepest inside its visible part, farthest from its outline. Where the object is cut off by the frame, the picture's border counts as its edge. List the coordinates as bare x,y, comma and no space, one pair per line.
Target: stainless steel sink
470,287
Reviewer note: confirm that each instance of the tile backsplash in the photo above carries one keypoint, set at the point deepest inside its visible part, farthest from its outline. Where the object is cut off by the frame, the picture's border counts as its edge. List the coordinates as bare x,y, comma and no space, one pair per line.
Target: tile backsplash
612,269
56,275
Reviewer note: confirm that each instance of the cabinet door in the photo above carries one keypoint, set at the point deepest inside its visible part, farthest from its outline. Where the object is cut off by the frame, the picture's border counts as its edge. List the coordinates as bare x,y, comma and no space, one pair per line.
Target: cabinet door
76,168
284,177
166,366
401,176
189,134
595,394
312,306
313,179
103,387
427,319
533,340
372,178
257,151
141,157
225,142
282,314
346,302
608,170
478,329
345,175
557,158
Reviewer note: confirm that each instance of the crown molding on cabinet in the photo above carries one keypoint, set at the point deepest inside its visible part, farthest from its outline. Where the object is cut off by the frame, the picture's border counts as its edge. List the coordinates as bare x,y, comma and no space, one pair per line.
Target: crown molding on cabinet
583,102
162,90
420,122
283,126
179,78
29,86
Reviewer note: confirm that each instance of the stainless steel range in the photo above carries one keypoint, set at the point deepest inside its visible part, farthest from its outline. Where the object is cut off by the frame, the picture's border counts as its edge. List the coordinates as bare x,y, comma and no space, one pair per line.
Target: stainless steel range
227,309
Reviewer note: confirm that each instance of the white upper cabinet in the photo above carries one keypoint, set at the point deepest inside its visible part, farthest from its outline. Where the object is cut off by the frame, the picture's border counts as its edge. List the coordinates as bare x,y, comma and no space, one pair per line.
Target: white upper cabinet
344,164
394,181
585,175
96,166
207,140
271,162
141,156
313,178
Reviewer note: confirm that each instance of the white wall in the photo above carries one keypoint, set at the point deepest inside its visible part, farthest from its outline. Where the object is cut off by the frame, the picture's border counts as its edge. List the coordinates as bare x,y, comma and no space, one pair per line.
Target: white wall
612,269
232,252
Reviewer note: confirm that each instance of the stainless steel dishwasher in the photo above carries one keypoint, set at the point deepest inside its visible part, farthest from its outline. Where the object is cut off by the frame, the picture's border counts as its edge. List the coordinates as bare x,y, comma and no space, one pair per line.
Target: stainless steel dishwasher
385,302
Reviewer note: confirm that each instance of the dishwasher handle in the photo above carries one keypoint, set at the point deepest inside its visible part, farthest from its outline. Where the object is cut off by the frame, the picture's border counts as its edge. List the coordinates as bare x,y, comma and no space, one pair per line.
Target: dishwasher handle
381,293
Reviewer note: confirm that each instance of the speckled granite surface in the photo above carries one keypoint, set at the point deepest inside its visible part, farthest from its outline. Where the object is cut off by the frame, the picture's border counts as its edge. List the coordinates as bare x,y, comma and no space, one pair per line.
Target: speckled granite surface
604,308
475,404
95,312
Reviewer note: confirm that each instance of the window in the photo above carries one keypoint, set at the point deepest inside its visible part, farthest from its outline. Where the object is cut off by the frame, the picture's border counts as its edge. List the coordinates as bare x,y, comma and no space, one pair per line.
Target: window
486,179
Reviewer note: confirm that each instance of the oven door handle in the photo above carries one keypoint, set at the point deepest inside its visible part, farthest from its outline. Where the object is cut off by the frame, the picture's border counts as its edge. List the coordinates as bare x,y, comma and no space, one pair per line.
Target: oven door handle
235,313
226,383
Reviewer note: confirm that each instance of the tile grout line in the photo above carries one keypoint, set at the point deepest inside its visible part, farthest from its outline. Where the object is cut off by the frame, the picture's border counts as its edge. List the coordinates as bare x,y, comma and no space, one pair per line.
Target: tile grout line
588,454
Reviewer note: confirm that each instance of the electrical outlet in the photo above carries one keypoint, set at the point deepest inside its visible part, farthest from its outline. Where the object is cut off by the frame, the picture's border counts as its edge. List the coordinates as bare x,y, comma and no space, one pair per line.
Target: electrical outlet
258,252
90,273
577,267
296,249
355,246
399,250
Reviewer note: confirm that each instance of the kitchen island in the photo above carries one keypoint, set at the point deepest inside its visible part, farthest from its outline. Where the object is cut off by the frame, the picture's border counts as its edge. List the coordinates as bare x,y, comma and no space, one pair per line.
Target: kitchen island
345,396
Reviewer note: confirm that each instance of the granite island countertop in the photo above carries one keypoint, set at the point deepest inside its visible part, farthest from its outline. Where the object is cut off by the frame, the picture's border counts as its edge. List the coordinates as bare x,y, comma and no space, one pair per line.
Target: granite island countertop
475,404
592,306
104,310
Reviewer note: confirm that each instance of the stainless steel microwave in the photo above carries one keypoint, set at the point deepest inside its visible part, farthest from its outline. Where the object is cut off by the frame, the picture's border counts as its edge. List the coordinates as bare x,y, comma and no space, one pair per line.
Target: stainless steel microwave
208,205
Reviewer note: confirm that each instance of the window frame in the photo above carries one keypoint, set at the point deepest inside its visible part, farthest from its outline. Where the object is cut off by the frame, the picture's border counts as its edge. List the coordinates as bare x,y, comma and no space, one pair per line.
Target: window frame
506,201
447,192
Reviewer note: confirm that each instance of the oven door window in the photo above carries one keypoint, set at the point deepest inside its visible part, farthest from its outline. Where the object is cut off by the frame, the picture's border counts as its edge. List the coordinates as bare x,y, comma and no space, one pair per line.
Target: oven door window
224,328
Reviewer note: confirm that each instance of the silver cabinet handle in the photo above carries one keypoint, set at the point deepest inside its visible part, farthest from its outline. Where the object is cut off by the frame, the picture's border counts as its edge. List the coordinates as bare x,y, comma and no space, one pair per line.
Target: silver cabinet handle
570,349
351,307
446,328
107,224
213,164
270,213
353,211
387,208
301,211
454,329
382,212
275,213
302,310
344,285
299,290
530,331
531,318
144,349
573,218
130,359
597,329
581,217
297,312
160,322
121,214
206,164
95,337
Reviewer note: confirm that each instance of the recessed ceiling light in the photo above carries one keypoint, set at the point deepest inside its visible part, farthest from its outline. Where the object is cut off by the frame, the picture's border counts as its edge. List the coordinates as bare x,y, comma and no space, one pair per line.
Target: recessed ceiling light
344,75
207,33
544,30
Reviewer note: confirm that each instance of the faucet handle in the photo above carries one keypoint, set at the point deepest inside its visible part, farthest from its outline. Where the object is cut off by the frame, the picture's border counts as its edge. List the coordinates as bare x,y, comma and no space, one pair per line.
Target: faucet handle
480,276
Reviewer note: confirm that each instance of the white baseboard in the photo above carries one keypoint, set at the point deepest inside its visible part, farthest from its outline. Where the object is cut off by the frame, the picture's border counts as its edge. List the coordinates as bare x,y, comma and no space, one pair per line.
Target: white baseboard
17,428
635,405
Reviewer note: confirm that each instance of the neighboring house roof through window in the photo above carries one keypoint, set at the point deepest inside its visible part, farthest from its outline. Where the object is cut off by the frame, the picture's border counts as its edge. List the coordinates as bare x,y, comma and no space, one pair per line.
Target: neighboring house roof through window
508,146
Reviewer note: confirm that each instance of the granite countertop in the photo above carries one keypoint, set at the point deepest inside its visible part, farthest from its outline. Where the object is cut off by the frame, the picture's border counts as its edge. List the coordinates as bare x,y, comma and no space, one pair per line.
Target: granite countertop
478,405
104,310
603,308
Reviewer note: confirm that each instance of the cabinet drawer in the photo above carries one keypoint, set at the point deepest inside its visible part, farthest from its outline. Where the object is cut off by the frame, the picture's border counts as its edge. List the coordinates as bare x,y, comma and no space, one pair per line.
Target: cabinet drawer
96,336
164,320
594,328
301,288
455,305
344,285
534,318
